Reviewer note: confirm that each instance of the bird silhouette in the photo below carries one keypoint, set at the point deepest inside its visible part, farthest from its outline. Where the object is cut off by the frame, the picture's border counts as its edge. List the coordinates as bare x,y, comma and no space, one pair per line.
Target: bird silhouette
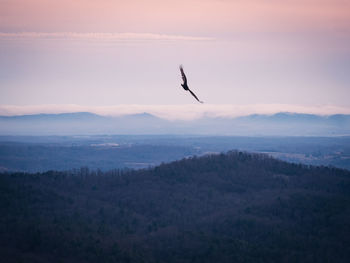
185,86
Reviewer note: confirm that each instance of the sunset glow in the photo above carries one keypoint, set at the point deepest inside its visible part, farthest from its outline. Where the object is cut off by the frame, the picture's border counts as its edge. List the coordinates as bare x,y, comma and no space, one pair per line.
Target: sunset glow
108,53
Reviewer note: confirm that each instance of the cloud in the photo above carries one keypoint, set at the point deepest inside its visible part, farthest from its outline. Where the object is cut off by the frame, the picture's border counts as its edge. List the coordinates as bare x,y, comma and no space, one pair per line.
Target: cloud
110,37
175,112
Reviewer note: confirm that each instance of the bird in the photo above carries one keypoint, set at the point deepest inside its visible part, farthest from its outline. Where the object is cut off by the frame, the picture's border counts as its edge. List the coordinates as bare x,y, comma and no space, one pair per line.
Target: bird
185,86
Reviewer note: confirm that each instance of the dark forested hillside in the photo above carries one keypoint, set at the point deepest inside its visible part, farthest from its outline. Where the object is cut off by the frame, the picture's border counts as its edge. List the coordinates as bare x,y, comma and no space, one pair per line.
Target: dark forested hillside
233,207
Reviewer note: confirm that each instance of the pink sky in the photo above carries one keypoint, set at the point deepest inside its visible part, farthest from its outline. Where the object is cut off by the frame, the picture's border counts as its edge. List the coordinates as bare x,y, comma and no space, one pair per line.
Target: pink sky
213,17
109,52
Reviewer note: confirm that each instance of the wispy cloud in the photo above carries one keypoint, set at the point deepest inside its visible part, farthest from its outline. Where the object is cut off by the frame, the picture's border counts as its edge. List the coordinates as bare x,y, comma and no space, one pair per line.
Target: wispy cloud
175,112
99,36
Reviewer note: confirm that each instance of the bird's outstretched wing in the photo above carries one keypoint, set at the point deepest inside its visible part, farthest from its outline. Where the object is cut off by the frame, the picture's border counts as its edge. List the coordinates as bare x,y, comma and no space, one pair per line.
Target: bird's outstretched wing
194,95
183,75
185,84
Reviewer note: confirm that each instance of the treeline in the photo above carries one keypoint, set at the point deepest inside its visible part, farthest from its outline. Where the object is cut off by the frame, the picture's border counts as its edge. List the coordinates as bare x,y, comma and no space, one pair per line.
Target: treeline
234,207
39,157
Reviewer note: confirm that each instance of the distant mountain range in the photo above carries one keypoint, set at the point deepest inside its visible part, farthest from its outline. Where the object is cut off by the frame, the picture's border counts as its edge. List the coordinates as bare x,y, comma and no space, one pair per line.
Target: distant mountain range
86,123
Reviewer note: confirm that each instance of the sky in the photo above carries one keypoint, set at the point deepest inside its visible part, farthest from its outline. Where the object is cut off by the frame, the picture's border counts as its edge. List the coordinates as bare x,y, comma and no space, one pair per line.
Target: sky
238,54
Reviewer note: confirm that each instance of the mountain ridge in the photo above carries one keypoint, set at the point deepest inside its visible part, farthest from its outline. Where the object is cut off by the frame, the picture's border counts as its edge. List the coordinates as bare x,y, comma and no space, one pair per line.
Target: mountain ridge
78,123
277,115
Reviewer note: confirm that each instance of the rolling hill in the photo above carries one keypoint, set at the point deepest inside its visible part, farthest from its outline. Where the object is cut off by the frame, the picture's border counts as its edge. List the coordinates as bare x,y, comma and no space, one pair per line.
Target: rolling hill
234,207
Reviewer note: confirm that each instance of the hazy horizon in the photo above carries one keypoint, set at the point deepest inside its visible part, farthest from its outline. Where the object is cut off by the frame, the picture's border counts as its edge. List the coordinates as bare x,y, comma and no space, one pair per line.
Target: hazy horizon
174,112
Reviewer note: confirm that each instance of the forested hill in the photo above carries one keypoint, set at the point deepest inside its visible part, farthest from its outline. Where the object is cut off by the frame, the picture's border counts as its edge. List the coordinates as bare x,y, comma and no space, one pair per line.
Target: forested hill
234,207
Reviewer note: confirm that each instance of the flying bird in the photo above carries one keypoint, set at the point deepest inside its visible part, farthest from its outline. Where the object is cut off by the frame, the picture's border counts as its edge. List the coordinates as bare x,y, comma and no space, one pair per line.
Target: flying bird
184,85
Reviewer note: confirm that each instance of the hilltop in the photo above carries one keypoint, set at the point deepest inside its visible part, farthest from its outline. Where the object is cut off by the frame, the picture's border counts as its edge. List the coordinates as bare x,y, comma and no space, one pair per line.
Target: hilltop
234,207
